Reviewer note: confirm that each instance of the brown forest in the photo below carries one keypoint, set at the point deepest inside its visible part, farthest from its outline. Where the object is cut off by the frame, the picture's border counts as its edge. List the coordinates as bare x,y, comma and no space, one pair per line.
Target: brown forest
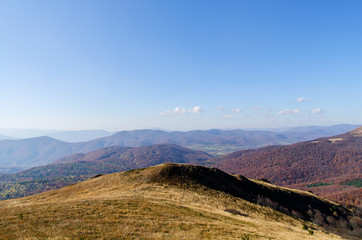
331,161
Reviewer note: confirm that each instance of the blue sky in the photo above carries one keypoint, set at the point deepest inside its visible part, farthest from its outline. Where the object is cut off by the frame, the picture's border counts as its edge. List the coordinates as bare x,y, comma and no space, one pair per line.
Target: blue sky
179,65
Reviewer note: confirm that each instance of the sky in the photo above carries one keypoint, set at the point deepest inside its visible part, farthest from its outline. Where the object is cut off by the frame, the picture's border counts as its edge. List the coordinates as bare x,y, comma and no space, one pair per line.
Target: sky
179,65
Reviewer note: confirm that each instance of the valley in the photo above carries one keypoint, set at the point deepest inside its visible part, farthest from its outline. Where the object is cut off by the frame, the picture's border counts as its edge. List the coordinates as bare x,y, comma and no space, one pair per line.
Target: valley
33,152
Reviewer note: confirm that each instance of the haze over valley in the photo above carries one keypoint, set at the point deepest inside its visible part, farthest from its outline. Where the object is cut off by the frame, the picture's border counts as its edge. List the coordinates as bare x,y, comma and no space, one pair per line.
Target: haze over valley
32,152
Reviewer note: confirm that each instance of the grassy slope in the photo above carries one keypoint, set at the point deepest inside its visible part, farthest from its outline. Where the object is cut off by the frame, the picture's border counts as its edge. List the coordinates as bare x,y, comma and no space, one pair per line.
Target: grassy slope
128,205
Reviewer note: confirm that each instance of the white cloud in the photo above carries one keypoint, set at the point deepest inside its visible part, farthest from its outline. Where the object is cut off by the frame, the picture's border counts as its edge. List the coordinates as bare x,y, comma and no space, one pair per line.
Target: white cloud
288,111
302,99
256,108
317,111
179,110
196,109
236,110
166,113
228,116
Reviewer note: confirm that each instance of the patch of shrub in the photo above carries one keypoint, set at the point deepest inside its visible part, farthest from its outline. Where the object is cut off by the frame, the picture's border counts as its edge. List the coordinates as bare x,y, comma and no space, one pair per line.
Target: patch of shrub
96,176
355,183
318,184
245,237
264,180
235,212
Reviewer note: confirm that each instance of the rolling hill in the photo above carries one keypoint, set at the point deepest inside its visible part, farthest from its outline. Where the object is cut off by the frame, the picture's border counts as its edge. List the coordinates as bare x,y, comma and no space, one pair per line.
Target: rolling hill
139,157
175,201
32,152
81,166
62,135
322,162
26,153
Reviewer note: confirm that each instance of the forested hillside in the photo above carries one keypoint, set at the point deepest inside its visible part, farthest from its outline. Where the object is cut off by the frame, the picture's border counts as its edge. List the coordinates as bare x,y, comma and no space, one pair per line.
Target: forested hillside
304,163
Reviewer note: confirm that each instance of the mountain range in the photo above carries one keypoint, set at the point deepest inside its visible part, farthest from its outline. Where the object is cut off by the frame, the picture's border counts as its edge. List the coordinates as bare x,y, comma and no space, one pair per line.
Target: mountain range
32,152
330,167
176,201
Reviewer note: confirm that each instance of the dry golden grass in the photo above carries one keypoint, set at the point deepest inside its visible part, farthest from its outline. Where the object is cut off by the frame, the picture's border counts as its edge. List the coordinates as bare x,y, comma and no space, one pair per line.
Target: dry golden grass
333,140
123,206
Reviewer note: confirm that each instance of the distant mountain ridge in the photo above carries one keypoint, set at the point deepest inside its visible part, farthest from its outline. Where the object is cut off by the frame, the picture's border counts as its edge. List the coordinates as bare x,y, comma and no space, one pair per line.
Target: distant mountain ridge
62,135
31,152
2,137
27,153
238,137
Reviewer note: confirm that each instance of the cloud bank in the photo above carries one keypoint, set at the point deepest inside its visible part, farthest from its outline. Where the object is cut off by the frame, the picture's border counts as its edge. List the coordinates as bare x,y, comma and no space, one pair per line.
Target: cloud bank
288,111
180,110
317,111
228,116
236,110
301,99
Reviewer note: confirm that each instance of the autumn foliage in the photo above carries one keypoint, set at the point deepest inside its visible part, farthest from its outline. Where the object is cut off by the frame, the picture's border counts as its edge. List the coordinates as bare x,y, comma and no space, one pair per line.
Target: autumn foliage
335,158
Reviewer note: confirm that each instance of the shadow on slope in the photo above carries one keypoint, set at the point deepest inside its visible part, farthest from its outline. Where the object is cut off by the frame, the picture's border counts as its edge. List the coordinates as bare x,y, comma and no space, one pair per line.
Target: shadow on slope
299,204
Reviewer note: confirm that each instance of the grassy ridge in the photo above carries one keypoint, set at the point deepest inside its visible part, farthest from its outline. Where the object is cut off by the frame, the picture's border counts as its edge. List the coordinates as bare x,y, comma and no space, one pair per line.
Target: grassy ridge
153,212
154,203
